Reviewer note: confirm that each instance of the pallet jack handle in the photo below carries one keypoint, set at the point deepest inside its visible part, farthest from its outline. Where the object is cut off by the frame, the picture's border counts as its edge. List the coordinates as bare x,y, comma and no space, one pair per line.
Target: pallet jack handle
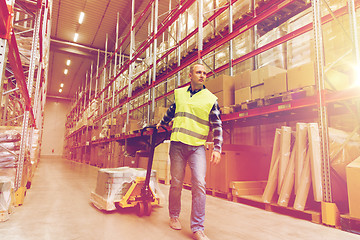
153,143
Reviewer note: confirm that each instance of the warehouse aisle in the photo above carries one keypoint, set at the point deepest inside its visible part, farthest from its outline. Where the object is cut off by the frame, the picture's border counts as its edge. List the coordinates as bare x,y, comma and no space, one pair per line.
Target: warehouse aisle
58,207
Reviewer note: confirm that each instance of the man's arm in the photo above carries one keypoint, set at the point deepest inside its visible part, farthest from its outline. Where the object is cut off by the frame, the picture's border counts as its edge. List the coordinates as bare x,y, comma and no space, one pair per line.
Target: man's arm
169,115
216,125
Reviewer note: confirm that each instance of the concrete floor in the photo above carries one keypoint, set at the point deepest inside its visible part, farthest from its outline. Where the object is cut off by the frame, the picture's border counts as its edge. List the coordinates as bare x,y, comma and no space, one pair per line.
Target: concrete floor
57,207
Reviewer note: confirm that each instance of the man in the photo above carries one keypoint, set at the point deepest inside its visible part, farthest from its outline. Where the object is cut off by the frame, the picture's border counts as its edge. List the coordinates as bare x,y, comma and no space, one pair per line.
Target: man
195,110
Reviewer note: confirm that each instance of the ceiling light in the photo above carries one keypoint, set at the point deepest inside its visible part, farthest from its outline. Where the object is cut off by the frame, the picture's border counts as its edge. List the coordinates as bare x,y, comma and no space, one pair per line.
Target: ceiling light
61,85
81,18
60,90
66,71
68,62
76,37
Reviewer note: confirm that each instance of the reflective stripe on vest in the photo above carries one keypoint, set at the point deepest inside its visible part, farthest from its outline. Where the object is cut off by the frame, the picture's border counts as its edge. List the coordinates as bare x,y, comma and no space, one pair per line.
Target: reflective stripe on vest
191,122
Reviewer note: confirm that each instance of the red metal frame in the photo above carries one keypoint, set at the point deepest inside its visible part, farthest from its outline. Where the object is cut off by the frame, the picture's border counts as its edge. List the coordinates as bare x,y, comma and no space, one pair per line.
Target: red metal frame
5,20
248,22
217,13
161,29
14,56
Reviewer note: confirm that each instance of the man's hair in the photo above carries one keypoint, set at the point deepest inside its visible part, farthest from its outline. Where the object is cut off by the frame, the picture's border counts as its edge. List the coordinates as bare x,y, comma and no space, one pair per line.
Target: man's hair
192,66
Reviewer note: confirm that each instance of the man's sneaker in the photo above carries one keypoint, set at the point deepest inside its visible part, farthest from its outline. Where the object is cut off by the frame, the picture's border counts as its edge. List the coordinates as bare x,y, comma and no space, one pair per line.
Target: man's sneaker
200,235
175,223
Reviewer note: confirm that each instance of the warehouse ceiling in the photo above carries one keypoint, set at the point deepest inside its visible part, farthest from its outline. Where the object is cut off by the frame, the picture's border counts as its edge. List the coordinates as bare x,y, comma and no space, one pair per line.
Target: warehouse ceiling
100,20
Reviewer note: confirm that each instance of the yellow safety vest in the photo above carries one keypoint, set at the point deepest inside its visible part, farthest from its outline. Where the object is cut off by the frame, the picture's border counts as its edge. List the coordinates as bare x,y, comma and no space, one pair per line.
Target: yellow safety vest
191,123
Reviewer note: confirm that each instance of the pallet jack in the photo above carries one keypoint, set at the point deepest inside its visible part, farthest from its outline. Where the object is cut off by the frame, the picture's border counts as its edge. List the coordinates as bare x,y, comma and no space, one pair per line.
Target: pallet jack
140,195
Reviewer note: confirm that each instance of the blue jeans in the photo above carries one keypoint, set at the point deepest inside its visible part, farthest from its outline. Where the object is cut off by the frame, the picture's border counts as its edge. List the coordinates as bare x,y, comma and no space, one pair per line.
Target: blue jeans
180,154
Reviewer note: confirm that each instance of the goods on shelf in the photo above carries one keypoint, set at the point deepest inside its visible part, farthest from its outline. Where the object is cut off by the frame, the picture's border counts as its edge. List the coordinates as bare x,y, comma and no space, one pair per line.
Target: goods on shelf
353,184
113,183
5,198
300,50
243,95
276,84
9,141
304,75
243,44
303,166
161,162
240,8
275,56
242,86
258,75
344,148
238,163
223,88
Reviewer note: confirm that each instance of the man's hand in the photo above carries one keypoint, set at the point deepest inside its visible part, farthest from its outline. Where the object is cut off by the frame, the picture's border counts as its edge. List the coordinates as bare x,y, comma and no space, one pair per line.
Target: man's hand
215,157
158,125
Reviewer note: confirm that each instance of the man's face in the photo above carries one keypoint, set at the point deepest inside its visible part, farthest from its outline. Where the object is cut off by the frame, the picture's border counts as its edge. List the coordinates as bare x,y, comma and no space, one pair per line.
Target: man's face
198,77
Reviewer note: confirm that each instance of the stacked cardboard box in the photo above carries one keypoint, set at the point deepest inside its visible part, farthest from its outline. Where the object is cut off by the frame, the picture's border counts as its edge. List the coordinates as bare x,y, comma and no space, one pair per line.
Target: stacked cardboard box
300,50
243,87
258,77
223,88
275,56
161,161
353,184
243,44
276,84
238,163
304,75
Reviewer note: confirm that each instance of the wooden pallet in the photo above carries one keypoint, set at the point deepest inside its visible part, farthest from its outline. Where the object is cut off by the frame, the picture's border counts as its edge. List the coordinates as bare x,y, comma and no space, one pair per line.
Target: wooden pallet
290,95
255,201
216,193
226,110
350,224
250,104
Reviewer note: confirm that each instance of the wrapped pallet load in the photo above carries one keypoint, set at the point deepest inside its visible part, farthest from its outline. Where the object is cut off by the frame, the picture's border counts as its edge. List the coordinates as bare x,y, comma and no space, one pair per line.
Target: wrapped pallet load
114,183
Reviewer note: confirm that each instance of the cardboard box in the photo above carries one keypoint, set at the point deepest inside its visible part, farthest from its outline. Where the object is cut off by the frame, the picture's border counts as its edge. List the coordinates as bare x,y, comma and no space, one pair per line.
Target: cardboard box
301,76
132,126
304,75
238,163
275,84
221,83
225,98
258,75
242,95
243,80
353,185
257,92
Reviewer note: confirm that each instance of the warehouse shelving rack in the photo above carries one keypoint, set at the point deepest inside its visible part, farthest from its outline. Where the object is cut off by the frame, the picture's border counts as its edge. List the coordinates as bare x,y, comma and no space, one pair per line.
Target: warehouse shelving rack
29,91
265,14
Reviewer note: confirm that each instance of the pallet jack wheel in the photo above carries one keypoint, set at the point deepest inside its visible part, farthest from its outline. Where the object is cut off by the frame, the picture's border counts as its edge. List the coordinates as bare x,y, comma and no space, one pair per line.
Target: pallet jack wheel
140,209
148,208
